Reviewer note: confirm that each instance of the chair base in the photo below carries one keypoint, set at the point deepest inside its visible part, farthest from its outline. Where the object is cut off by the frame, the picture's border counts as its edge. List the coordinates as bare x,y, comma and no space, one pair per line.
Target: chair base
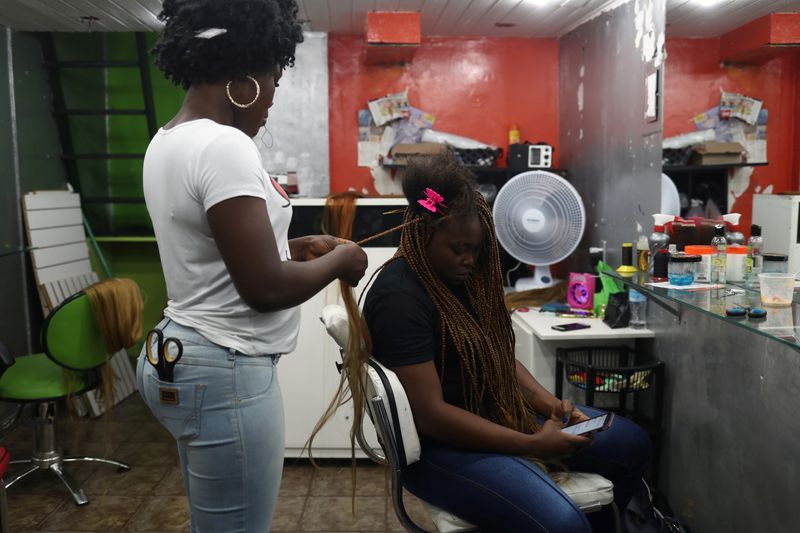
47,457
57,468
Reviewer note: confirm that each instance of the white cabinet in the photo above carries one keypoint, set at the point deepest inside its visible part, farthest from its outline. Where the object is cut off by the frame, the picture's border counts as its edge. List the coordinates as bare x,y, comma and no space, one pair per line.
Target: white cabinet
309,378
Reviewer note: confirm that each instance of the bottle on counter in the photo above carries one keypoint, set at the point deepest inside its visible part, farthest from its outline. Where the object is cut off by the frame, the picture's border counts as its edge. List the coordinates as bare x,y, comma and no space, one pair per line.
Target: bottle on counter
661,266
627,268
733,235
719,262
638,306
642,250
755,250
513,134
659,240
736,263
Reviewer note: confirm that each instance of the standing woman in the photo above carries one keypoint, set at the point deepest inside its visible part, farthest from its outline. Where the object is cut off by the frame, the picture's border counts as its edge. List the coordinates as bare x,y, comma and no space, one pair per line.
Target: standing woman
234,279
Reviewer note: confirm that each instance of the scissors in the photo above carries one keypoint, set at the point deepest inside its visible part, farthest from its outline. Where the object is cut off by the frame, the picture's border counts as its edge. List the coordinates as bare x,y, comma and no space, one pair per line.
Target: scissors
160,355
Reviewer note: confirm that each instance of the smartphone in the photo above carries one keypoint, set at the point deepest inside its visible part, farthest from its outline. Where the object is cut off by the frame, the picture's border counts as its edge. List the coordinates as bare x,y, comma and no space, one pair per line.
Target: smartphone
591,426
571,326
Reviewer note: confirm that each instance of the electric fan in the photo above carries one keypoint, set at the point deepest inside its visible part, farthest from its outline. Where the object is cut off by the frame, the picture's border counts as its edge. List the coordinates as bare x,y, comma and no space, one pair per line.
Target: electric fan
540,218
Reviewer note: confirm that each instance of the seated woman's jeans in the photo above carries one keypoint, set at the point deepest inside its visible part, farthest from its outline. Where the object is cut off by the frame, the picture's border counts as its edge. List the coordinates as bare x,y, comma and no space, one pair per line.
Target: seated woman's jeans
228,423
509,494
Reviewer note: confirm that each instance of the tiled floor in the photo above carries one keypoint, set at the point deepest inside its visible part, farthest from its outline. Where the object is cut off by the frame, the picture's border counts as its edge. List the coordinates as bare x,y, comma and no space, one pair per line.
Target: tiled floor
150,497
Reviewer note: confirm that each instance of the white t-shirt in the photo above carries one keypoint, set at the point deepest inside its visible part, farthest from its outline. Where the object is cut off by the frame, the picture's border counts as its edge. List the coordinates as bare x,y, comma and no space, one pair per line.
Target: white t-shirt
188,169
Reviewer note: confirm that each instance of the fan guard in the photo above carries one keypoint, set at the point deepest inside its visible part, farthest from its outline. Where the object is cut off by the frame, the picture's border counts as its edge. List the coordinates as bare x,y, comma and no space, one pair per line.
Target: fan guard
539,217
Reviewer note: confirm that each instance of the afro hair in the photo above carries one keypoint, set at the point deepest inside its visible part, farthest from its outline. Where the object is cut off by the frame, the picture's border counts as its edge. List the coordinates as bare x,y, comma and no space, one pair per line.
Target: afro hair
259,36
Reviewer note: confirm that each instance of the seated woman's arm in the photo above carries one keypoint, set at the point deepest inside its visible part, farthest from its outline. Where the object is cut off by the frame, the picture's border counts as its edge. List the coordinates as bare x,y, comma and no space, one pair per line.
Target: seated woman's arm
457,427
542,401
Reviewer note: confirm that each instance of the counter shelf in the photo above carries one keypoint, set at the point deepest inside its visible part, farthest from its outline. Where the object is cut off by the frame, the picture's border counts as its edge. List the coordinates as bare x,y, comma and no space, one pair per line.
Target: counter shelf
780,324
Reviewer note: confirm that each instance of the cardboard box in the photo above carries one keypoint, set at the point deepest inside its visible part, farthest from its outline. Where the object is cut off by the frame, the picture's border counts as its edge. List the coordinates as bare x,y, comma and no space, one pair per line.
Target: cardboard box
717,153
402,152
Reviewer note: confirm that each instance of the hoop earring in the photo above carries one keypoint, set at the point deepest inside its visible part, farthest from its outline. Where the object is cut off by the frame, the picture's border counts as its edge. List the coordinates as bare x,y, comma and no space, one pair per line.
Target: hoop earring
237,104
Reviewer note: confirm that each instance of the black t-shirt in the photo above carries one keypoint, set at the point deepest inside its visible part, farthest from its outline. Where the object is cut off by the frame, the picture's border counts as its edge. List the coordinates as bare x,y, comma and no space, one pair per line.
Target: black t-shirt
405,329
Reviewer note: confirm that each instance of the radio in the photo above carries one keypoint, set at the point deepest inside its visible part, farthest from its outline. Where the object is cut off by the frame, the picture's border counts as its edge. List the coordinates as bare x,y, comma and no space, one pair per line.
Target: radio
580,291
522,157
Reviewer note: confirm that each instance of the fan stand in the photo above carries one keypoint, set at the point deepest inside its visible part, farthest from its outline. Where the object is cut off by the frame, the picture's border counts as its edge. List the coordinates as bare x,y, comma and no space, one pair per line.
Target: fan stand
541,279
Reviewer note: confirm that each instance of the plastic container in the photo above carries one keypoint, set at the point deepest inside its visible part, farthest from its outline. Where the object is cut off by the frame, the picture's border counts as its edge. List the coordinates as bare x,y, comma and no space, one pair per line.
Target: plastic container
659,240
736,267
755,249
777,289
773,263
702,272
660,266
682,268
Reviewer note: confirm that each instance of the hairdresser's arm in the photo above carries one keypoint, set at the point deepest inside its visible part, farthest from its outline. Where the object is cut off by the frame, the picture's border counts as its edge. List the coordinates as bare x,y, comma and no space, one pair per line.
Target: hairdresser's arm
543,401
246,241
313,246
454,426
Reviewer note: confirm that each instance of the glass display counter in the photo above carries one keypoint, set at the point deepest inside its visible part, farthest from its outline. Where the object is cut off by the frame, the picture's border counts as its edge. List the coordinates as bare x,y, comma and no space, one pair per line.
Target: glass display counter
781,323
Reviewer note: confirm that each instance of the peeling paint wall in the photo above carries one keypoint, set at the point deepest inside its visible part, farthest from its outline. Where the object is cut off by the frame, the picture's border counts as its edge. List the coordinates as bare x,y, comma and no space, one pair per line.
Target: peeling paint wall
693,79
611,151
475,86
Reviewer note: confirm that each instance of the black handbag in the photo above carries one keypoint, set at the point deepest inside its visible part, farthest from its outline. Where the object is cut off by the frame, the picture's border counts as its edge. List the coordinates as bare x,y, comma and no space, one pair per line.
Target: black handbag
649,512
618,310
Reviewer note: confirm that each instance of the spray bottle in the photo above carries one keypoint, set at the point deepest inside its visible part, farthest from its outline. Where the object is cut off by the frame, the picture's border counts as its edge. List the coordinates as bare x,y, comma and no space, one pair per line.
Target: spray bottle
733,235
642,250
659,238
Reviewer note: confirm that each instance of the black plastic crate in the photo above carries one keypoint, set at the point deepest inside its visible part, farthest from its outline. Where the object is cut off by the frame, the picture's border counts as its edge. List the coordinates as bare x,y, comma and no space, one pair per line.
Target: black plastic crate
676,156
478,157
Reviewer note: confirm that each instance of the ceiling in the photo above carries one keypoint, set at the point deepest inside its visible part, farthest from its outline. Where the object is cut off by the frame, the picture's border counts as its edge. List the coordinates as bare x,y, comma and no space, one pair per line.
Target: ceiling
528,18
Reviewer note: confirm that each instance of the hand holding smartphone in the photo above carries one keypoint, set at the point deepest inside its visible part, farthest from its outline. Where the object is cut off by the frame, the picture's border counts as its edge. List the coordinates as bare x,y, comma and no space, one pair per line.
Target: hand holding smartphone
572,326
589,427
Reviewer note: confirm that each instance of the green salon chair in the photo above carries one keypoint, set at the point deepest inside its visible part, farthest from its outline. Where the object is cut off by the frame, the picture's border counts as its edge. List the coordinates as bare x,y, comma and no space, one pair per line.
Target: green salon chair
74,350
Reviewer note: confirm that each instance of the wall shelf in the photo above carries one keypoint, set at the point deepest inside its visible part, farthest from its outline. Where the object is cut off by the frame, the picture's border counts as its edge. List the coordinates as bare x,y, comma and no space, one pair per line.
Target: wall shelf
700,168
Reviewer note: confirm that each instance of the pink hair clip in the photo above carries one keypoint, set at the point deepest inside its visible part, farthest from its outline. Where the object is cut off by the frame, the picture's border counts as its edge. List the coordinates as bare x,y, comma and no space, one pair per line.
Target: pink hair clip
432,200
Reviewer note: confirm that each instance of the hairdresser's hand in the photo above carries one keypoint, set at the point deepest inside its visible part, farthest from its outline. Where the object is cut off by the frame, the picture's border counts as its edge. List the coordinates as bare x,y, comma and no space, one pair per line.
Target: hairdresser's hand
552,443
353,262
314,246
566,411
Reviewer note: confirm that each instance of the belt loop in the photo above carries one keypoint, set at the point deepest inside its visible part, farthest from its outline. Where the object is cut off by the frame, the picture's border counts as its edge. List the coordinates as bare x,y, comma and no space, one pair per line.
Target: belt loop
231,354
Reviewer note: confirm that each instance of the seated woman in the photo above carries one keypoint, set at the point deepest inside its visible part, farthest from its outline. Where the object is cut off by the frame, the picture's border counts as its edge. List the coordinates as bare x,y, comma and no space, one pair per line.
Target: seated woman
436,317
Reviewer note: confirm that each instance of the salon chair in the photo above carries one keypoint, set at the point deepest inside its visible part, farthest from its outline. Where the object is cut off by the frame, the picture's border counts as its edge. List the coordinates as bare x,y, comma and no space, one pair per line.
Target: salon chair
390,412
74,350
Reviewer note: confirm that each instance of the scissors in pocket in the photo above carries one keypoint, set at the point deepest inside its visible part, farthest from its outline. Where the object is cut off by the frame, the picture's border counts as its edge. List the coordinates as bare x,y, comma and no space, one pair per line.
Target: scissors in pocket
163,352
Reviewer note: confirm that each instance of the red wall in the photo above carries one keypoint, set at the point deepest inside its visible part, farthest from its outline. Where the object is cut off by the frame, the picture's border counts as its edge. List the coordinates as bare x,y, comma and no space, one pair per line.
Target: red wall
693,79
475,87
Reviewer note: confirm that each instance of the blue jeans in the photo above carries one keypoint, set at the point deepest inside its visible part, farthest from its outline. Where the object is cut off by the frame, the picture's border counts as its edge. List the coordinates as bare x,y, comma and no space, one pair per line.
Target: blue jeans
509,494
228,424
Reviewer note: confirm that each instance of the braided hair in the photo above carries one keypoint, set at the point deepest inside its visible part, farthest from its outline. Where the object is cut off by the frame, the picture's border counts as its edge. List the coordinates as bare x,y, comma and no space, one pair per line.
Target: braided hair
485,342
